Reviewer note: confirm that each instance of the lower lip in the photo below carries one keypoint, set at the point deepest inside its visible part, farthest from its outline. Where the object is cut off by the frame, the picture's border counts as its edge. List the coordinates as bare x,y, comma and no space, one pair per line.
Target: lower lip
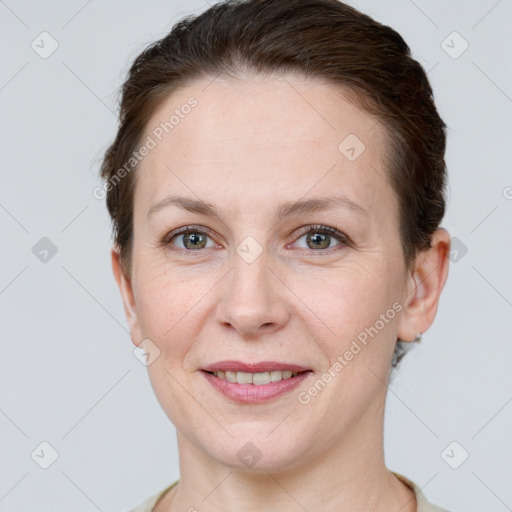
251,393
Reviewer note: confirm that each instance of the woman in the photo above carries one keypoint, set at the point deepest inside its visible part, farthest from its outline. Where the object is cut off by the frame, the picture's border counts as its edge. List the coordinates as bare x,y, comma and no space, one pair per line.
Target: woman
276,188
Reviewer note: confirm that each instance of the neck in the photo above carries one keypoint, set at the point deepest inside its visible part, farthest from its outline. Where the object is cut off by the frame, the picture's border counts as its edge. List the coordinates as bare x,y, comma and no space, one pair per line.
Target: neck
349,476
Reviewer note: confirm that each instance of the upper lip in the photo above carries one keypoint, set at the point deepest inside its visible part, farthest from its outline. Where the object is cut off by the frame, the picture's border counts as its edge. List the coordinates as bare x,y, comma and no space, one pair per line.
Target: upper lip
261,367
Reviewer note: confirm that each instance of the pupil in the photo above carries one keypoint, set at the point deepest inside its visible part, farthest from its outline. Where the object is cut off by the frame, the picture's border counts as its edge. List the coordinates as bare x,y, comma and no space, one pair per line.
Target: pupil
320,238
194,238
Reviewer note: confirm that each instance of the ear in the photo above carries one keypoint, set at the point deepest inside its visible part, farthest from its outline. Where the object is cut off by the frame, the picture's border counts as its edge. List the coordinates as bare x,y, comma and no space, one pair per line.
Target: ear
125,287
424,286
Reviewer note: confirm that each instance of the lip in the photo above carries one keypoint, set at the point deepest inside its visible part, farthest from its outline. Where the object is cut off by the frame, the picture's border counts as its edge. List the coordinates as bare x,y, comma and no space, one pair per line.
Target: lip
261,367
251,393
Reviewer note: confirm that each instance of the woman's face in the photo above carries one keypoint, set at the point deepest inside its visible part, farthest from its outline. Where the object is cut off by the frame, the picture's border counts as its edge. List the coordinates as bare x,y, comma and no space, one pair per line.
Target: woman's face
253,282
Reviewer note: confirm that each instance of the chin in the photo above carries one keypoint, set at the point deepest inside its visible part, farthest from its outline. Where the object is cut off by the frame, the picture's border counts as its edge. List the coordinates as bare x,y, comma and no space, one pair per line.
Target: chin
259,452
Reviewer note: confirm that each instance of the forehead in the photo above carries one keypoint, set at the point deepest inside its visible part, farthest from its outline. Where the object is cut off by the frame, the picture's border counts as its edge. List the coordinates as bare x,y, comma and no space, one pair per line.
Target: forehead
259,135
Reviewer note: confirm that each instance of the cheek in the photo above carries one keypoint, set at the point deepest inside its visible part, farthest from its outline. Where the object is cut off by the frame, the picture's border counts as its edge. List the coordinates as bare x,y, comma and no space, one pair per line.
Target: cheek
168,306
171,314
346,307
356,341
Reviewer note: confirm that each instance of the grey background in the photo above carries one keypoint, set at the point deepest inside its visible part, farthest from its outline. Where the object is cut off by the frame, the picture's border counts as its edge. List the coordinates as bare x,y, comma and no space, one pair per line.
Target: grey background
68,375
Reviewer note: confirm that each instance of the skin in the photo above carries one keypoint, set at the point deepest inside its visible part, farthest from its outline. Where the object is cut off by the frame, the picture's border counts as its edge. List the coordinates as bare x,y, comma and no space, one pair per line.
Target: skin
249,146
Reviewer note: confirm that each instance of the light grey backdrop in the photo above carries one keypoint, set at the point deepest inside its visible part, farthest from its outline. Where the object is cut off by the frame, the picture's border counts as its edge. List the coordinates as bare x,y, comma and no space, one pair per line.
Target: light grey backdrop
68,374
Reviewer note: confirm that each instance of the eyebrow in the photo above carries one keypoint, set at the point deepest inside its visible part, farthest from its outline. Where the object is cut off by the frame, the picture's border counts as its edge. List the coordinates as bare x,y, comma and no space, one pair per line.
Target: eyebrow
287,209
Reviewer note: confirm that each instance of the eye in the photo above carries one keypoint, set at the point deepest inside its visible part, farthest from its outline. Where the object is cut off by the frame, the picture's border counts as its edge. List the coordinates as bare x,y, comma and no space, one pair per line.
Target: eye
192,238
319,238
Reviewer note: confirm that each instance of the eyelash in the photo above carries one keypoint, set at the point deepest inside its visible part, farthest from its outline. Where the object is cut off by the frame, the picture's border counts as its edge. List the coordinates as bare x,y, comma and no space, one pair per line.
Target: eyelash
311,228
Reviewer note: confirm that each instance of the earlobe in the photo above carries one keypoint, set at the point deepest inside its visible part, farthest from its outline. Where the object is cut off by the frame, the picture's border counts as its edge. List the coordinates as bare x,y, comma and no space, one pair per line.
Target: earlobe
125,287
424,286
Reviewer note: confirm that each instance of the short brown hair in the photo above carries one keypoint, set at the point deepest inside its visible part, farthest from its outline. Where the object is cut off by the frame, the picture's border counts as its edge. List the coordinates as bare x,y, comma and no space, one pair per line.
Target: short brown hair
319,39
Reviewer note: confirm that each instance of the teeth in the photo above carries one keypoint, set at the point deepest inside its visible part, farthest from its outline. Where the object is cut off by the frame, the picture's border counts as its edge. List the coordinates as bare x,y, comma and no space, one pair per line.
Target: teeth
243,378
254,378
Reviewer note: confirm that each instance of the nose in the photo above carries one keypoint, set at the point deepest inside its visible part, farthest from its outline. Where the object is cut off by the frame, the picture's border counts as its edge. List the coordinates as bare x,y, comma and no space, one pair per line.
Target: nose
253,300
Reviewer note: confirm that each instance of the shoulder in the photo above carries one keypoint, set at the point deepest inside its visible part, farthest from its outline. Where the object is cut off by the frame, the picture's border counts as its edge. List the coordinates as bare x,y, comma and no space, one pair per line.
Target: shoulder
148,504
423,504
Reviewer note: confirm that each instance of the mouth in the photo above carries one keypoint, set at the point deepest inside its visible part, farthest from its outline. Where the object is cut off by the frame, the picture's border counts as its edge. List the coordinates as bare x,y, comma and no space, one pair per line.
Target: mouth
266,382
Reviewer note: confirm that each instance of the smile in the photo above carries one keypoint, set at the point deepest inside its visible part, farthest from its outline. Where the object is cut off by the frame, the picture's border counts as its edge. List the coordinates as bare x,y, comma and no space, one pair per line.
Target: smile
245,387
257,379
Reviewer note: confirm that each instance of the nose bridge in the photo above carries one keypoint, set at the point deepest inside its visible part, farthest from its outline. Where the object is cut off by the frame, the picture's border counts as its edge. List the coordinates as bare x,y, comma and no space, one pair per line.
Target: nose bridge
251,297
